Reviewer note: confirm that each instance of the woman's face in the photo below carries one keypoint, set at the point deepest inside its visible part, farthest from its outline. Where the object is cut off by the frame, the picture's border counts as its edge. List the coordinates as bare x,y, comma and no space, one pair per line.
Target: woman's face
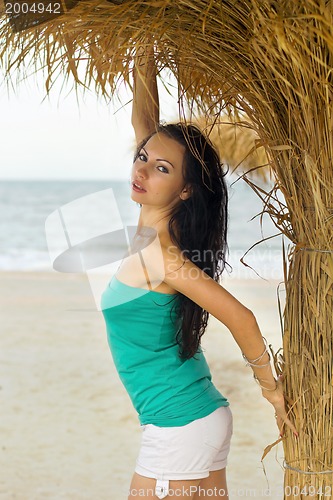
158,171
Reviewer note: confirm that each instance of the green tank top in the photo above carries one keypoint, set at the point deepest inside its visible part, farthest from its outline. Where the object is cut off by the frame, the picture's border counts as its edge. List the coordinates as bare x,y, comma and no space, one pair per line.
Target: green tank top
141,330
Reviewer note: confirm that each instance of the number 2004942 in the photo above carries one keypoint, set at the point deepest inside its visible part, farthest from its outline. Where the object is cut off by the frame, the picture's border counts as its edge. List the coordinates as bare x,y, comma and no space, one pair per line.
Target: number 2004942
33,8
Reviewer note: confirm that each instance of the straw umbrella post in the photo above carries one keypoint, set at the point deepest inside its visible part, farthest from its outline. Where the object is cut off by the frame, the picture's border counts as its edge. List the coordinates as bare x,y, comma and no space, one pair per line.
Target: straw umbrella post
272,60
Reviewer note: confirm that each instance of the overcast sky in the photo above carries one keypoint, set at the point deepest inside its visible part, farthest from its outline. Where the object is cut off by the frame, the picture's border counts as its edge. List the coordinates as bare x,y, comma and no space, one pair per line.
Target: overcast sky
60,139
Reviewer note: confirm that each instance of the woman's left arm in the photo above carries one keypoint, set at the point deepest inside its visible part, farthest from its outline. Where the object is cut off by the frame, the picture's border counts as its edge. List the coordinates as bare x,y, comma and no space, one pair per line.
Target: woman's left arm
191,281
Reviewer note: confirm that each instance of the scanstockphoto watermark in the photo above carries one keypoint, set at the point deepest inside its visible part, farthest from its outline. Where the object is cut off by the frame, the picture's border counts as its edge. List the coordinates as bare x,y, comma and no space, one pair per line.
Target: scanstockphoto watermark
88,235
277,492
182,492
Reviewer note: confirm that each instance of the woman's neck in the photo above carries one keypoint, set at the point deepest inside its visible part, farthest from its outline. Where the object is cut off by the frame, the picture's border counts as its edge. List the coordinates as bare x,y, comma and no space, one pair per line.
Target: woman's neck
155,218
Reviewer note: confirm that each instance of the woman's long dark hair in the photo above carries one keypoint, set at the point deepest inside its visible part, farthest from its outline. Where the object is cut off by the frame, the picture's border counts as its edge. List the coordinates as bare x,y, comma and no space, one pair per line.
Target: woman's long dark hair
198,225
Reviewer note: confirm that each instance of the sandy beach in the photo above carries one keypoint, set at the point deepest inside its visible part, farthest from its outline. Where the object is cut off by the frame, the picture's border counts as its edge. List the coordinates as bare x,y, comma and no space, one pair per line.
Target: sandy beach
67,427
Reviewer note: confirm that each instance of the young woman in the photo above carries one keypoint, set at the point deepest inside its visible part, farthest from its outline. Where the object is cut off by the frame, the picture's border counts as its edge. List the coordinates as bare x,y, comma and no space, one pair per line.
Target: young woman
157,305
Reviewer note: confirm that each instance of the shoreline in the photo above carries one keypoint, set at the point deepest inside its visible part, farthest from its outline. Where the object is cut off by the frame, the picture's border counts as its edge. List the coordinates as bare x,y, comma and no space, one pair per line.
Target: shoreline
68,429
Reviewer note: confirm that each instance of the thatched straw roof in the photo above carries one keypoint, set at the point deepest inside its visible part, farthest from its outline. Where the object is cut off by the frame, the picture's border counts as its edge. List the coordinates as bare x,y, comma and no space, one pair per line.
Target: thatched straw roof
269,58
94,42
242,54
273,60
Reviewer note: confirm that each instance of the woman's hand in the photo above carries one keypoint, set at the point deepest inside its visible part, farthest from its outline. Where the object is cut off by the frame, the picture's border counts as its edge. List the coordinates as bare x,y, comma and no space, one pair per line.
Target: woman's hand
276,398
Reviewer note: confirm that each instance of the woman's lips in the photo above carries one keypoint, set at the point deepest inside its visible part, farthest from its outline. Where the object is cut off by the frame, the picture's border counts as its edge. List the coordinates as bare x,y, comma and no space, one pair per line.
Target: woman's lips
136,186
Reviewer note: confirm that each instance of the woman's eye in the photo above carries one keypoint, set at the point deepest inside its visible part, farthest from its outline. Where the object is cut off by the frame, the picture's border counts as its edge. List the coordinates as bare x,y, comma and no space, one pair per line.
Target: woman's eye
142,157
165,169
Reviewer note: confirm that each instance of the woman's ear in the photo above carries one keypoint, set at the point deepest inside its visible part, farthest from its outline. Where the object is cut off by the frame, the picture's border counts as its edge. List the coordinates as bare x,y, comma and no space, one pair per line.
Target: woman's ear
186,192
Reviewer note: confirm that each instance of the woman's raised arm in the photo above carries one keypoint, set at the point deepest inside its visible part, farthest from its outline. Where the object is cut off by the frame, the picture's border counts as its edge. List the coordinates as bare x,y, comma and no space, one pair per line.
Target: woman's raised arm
145,109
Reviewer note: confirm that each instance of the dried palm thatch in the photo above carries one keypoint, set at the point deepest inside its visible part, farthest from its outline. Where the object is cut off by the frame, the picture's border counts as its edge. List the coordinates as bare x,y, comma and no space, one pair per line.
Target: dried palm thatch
238,145
273,60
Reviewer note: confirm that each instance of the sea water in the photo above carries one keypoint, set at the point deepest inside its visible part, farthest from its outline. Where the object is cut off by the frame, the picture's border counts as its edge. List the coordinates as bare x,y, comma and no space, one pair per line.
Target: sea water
25,206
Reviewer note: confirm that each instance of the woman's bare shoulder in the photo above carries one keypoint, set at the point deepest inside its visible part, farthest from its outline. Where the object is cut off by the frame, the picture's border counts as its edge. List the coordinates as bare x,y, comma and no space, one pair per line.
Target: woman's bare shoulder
173,256
162,257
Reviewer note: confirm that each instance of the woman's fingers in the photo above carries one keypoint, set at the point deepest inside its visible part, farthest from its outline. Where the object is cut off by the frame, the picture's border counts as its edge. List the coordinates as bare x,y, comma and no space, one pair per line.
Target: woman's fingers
281,416
282,421
277,399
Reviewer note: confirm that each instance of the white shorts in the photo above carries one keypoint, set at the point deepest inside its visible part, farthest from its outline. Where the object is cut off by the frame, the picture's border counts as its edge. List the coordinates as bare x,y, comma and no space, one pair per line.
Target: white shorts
185,452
